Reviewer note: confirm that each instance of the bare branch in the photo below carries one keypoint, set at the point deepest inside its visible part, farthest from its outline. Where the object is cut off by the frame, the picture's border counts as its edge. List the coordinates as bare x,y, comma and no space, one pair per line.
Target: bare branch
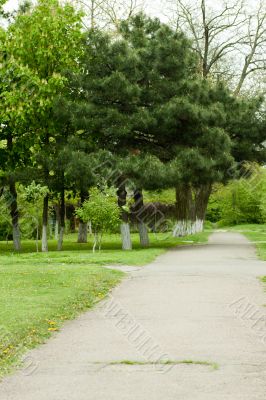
107,14
228,30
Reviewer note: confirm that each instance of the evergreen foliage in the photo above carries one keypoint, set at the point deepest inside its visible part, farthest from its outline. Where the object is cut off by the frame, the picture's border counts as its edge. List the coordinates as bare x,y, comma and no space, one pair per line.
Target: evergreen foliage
81,109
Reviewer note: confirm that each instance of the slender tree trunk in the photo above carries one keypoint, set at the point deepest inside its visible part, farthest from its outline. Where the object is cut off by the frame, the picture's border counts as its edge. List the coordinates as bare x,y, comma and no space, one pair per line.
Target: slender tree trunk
143,234
83,232
37,236
83,226
90,227
96,241
62,218
13,204
57,221
14,215
125,235
139,215
45,224
70,215
125,227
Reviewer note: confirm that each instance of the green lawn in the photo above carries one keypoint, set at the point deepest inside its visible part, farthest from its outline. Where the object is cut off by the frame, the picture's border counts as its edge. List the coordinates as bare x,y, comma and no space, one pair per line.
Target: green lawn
40,291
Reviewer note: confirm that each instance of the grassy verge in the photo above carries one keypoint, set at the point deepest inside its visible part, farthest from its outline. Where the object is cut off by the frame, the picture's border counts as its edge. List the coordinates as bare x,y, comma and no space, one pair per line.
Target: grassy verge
41,291
255,233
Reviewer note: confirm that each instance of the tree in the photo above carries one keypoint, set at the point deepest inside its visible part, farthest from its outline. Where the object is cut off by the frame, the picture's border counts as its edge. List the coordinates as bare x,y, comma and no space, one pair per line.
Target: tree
47,39
33,194
18,98
116,11
143,171
103,212
105,97
246,123
222,34
186,124
107,14
254,46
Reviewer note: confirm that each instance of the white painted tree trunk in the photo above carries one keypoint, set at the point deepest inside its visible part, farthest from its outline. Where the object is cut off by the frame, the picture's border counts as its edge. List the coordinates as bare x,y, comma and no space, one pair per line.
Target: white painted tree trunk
61,238
197,226
44,239
16,237
125,235
180,229
83,232
186,228
200,225
143,234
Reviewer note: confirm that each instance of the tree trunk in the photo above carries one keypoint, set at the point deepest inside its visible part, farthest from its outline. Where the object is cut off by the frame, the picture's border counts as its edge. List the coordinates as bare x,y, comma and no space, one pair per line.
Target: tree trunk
13,204
45,224
125,235
83,226
139,215
143,234
201,203
184,211
83,232
125,227
37,239
62,211
191,206
57,219
14,215
60,238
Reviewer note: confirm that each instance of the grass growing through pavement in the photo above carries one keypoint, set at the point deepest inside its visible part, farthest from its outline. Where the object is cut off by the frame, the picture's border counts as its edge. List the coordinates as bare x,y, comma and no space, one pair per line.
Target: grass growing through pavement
39,291
167,362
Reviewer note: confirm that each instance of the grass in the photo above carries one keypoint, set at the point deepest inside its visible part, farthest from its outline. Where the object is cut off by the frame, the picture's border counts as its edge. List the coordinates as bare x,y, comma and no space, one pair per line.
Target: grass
166,362
39,291
255,233
36,298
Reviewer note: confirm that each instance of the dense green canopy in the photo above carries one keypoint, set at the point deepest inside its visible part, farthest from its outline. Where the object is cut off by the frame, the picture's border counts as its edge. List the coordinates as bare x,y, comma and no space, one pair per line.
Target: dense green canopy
82,108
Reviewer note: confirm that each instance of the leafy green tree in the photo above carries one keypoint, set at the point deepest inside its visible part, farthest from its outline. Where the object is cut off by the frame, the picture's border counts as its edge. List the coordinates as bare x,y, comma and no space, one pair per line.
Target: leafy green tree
103,213
46,39
34,194
17,99
241,201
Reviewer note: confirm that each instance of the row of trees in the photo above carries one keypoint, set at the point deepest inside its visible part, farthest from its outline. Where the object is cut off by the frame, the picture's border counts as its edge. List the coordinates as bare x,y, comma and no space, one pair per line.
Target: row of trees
133,110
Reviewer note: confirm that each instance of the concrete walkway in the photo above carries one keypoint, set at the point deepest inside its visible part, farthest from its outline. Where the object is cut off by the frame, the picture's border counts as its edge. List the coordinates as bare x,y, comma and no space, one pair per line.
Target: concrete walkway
193,307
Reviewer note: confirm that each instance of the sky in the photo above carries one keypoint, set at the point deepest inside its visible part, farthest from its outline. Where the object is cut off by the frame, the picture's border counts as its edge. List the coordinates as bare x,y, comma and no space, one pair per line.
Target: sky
154,7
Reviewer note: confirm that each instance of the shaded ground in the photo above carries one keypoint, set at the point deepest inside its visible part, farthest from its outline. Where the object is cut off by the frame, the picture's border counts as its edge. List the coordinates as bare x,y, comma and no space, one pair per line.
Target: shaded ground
162,334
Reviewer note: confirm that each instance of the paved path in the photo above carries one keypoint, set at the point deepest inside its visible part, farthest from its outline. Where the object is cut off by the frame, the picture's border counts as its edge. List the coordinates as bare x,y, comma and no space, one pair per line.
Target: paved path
182,306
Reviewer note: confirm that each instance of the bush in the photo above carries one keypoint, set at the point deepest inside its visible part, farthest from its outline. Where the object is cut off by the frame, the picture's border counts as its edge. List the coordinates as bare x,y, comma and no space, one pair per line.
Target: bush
242,201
